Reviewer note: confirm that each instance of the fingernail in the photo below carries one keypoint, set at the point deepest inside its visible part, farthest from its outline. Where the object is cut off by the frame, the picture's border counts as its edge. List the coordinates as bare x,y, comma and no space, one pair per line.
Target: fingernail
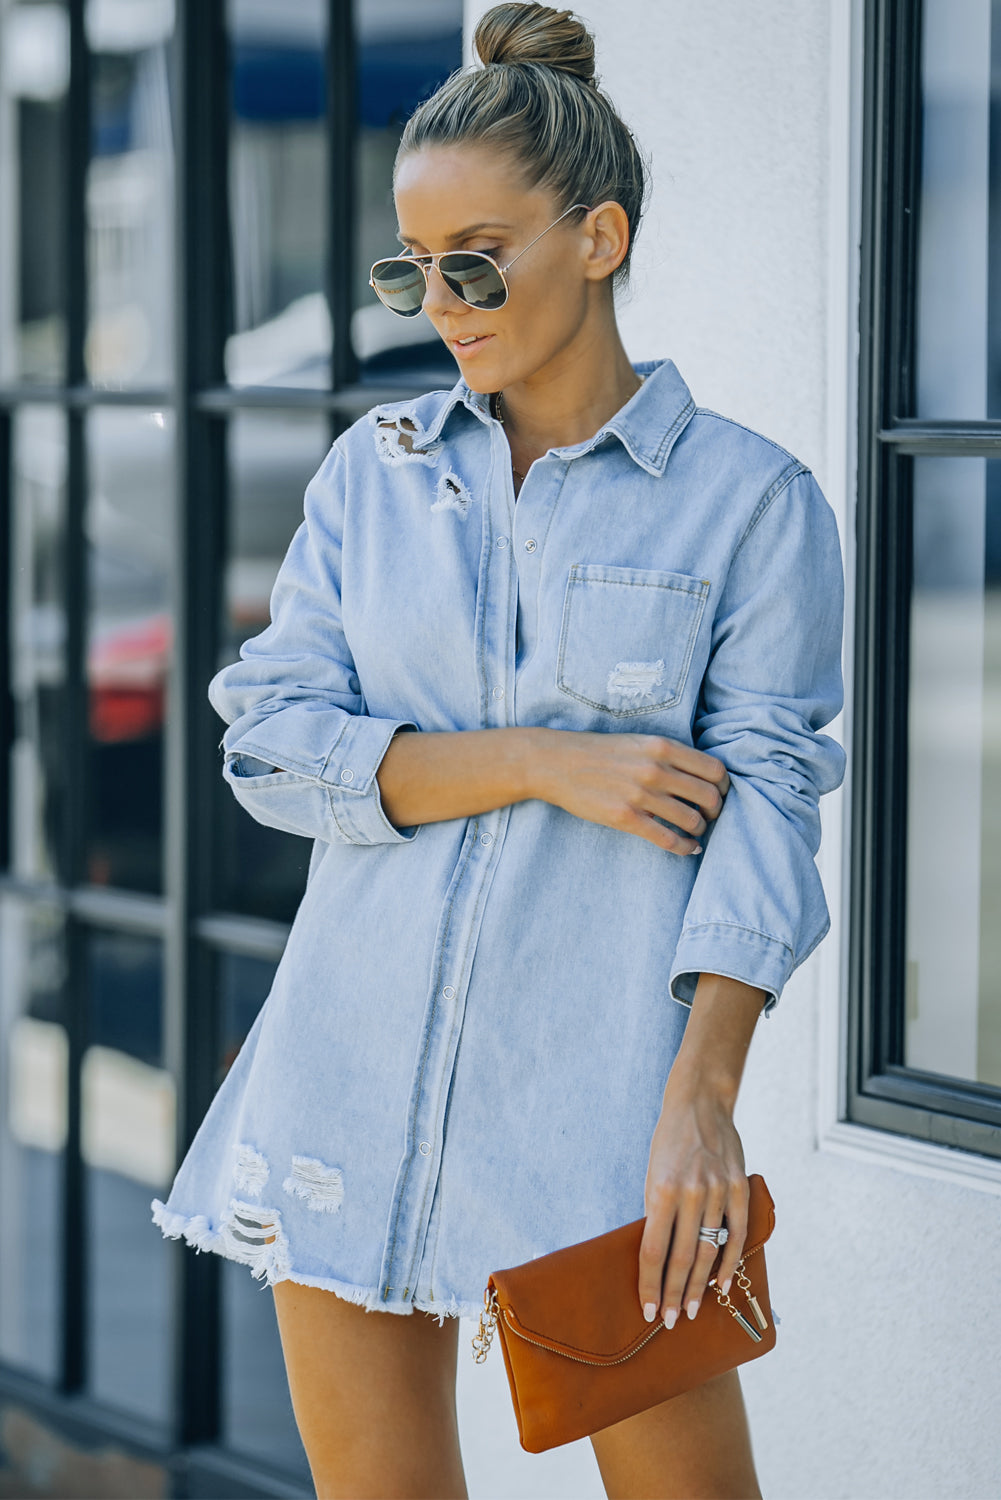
693,1308
726,1286
649,1311
697,849
670,1317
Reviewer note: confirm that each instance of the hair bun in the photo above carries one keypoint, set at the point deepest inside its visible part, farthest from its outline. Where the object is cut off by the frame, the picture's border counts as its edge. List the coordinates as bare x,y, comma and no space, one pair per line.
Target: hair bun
536,34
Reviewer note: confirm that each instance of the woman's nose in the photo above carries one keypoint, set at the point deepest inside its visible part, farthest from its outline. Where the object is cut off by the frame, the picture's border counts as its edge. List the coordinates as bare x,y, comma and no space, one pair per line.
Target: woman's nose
438,299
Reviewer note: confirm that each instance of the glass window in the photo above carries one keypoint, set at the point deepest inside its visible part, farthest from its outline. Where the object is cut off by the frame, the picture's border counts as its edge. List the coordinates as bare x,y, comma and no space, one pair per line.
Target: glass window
404,52
129,640
925,999
272,456
129,195
258,1420
278,175
954,891
38,640
127,1143
33,1091
34,77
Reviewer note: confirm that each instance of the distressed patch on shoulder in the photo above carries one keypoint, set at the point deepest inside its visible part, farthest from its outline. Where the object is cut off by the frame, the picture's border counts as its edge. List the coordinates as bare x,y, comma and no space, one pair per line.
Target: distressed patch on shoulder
636,679
251,1171
452,493
254,1236
400,439
320,1186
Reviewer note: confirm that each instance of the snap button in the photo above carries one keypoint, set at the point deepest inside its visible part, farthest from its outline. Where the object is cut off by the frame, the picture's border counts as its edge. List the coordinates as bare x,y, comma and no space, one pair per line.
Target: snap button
347,774
502,541
486,838
498,692
425,1148
448,992
531,544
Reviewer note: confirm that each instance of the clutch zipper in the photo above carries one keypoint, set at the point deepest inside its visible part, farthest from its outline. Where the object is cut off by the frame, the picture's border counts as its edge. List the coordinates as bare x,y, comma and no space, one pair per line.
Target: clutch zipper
492,1310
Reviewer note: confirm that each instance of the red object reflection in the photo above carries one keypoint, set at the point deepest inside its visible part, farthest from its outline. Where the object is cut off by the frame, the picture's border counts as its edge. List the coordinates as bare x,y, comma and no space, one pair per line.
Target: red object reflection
127,676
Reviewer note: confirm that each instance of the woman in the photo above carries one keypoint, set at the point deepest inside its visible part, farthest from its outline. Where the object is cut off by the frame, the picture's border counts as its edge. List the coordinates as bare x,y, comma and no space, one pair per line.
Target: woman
547,664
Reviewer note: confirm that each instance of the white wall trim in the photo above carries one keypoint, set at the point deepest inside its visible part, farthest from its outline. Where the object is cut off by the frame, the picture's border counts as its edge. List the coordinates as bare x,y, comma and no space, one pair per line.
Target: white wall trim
917,1158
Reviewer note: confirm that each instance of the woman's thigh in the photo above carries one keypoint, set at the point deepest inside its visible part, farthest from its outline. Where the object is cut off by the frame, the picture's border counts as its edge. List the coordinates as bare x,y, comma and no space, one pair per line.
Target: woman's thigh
373,1395
697,1446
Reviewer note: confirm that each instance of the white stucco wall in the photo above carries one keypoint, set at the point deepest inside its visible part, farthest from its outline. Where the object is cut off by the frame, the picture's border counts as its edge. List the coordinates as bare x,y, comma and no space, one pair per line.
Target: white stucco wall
884,1382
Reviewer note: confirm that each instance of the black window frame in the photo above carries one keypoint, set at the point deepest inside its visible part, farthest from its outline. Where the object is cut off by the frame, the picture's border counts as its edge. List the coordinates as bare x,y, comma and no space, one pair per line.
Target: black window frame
882,1092
183,916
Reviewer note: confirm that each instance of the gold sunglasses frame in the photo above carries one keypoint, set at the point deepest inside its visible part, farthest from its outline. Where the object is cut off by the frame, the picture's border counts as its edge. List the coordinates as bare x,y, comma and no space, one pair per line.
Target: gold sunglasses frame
427,261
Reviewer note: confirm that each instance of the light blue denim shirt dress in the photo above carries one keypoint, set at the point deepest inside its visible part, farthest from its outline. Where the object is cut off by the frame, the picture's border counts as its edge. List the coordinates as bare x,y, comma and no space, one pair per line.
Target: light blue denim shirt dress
461,1060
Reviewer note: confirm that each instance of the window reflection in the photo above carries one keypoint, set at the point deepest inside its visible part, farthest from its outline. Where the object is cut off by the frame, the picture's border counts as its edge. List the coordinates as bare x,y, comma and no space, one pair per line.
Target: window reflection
278,171
34,76
257,1416
272,456
129,194
127,1128
129,640
405,52
37,765
33,1105
954,889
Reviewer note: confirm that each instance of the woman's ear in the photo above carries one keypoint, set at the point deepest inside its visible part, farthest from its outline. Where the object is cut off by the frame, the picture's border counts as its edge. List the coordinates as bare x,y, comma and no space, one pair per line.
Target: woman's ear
608,228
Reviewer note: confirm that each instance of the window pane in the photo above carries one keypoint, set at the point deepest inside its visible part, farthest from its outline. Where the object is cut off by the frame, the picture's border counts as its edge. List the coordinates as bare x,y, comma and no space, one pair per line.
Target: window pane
127,1130
278,194
34,76
953,1023
257,1415
959,264
129,533
272,456
129,195
405,51
38,640
33,1059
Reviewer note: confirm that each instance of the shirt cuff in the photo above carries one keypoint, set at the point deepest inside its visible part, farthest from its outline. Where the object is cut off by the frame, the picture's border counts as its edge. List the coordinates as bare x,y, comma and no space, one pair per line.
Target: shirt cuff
734,951
349,773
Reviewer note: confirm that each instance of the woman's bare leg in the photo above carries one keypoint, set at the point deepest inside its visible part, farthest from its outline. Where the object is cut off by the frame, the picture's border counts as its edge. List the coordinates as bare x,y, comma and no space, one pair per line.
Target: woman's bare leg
696,1446
373,1395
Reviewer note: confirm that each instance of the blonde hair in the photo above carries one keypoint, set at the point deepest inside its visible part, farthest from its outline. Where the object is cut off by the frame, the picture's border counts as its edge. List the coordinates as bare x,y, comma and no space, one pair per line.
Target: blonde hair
534,96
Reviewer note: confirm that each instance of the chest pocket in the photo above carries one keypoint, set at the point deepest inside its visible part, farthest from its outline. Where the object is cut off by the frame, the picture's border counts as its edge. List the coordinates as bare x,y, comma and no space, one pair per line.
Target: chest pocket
627,636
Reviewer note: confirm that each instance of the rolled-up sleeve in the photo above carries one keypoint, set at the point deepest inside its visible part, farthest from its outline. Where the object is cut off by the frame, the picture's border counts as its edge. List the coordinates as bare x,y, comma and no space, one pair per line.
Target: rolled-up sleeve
299,753
773,680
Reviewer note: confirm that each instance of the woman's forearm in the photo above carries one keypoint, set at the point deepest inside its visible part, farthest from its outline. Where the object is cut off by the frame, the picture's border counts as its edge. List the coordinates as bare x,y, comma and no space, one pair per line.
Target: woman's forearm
427,777
717,1037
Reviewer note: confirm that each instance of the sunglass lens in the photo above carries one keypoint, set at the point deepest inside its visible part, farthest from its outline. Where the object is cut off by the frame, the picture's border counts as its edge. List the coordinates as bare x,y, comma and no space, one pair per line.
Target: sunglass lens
474,279
400,285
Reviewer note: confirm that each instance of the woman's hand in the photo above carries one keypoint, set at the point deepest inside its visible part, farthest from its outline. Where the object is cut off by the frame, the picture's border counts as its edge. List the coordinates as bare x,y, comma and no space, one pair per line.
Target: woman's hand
629,781
696,1169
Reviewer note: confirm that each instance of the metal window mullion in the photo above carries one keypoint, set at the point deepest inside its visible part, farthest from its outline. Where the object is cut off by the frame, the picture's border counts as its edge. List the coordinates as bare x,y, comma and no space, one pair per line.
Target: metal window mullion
201,93
341,129
71,855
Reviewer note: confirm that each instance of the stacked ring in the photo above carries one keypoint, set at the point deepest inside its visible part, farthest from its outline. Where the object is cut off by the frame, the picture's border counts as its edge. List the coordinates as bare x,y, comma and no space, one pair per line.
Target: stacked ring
714,1237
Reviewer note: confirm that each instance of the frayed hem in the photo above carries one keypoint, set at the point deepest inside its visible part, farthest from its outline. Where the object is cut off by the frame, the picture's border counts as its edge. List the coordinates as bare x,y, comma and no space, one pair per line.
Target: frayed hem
198,1232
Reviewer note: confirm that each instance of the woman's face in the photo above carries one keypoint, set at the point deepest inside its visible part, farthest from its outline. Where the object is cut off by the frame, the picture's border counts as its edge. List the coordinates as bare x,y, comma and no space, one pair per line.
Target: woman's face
473,198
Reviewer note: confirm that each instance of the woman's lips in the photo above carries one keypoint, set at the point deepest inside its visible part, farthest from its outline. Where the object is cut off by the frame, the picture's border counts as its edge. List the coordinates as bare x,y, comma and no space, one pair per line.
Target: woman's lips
463,351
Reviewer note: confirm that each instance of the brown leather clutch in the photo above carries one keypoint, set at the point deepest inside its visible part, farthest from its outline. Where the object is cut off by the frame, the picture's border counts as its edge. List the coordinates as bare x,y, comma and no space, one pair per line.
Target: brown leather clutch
578,1352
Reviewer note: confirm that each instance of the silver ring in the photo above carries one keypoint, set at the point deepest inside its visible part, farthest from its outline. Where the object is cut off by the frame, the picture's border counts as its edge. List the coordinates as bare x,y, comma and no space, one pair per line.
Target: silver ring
714,1237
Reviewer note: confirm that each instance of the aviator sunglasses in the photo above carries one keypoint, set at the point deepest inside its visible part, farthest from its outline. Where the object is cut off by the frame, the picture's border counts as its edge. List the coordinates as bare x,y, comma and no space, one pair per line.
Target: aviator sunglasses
401,281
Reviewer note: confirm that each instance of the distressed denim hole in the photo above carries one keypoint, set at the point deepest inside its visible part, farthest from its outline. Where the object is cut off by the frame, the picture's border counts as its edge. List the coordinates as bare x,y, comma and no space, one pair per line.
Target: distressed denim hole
452,494
251,1171
402,439
320,1187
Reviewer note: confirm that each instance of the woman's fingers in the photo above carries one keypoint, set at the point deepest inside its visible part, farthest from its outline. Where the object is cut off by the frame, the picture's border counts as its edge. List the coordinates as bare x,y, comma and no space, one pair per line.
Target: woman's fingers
687,1266
674,1263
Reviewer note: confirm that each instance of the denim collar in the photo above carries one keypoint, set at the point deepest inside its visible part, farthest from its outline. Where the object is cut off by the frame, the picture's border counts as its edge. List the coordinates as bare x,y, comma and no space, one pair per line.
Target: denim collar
647,426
